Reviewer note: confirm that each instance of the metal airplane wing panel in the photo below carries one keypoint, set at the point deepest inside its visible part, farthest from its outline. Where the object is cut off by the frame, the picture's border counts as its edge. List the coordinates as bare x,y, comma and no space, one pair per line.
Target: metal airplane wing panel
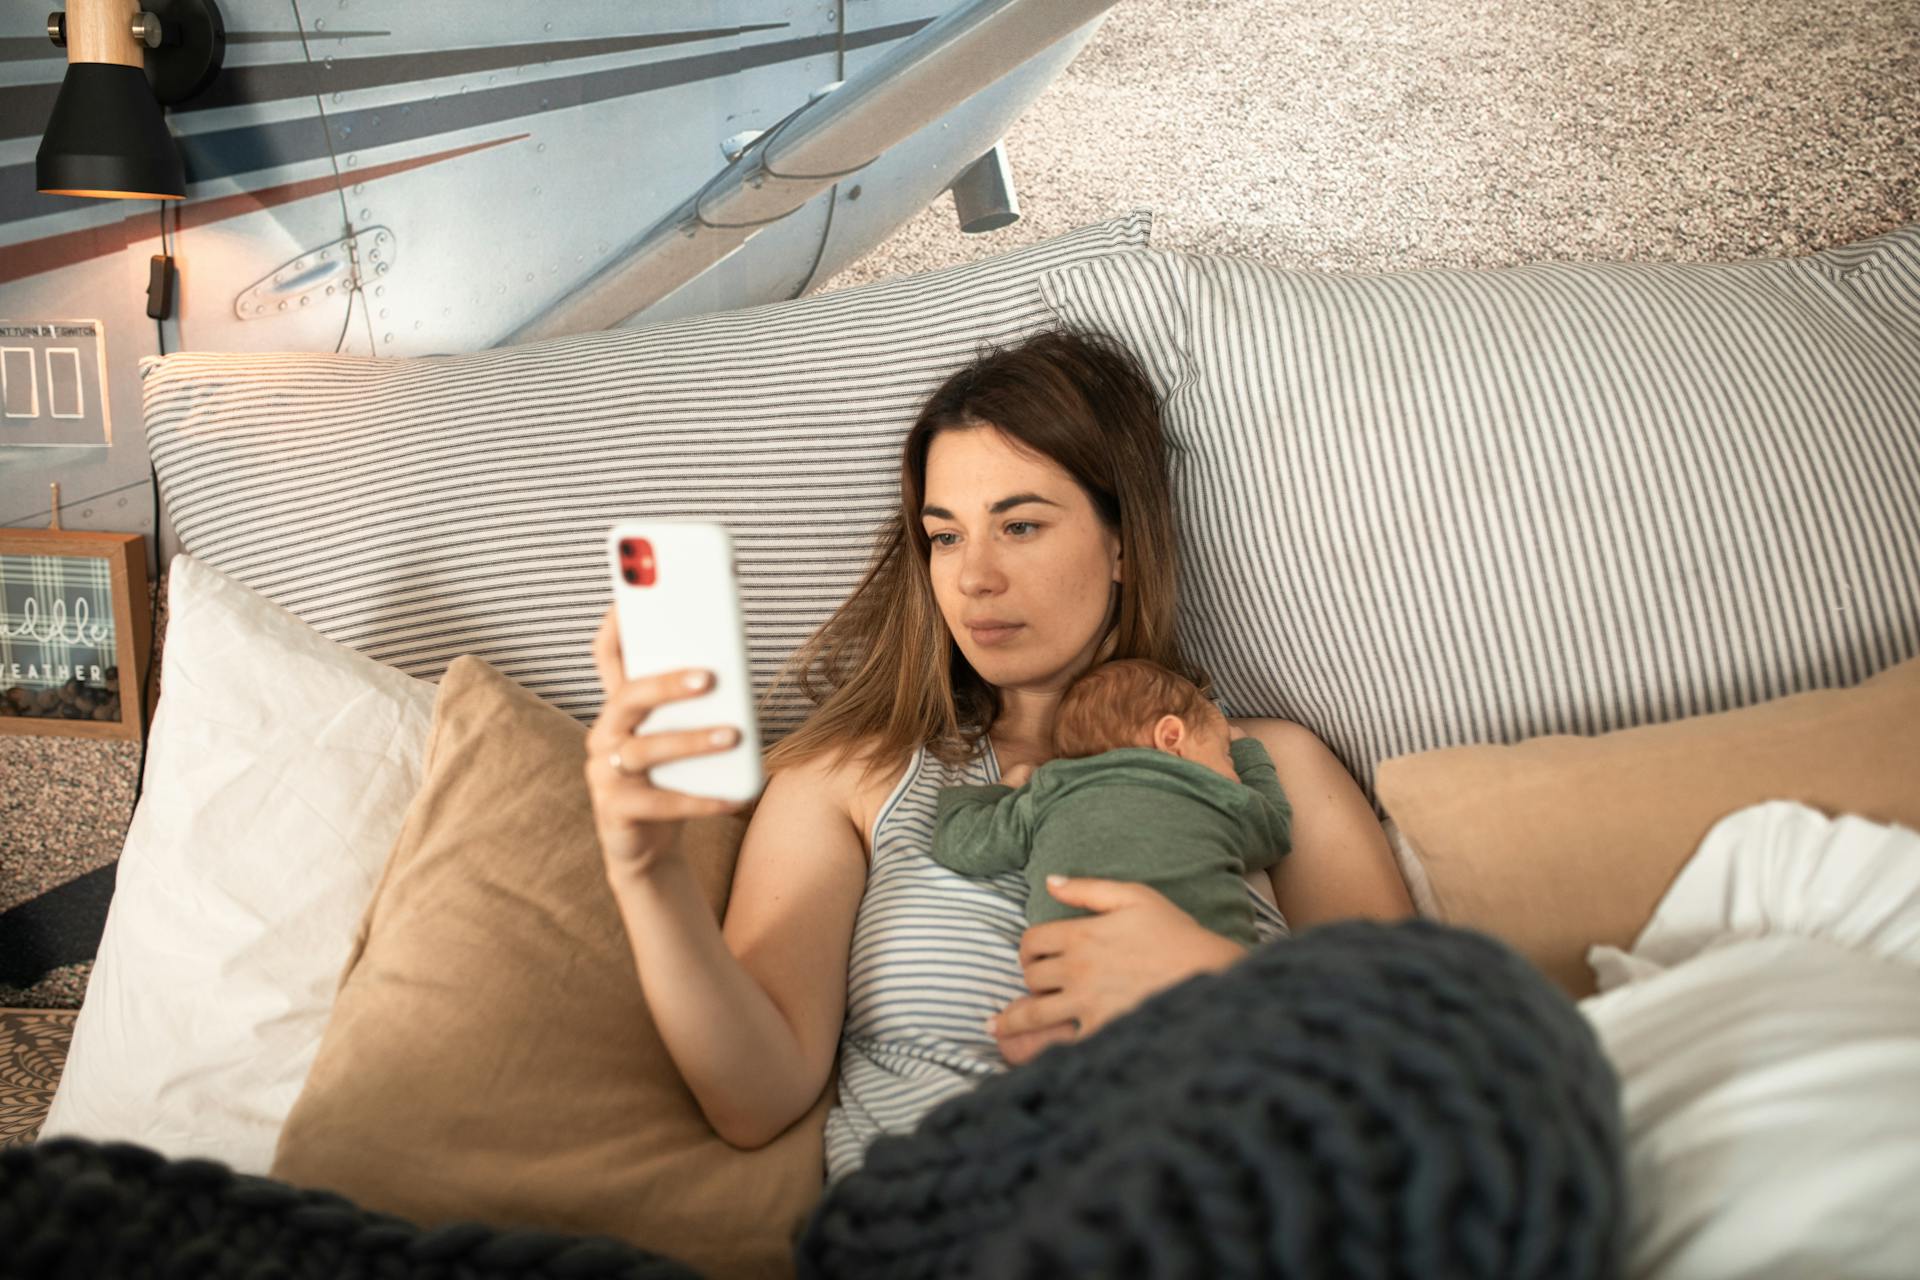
856,214
911,85
868,208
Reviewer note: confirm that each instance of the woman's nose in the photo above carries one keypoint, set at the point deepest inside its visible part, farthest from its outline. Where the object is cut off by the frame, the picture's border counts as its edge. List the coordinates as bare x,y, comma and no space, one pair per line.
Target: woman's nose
980,569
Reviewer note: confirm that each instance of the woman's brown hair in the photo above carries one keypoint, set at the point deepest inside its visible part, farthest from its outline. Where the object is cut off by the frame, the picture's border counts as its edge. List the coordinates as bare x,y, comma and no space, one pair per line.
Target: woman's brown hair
883,673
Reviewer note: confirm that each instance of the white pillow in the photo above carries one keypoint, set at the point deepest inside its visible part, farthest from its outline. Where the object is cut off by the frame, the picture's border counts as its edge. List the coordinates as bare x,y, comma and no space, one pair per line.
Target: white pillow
1766,1031
279,766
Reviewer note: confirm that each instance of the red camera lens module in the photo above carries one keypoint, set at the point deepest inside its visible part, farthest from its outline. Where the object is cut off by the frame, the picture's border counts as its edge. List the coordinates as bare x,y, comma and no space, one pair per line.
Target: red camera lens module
636,561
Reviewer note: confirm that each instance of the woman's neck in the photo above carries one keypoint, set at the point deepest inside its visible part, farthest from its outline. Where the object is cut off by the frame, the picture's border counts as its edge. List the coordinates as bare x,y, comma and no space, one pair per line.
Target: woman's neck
1024,727
1010,753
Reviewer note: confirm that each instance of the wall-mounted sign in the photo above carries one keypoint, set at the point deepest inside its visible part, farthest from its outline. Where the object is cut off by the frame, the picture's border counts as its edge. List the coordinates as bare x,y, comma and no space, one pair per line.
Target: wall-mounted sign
74,632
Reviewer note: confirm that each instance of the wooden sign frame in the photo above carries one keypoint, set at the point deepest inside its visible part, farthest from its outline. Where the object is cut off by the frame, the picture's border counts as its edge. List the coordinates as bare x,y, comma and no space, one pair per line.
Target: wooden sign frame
34,646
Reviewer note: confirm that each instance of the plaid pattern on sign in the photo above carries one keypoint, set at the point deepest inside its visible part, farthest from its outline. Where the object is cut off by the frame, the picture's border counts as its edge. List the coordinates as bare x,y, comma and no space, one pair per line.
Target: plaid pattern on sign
56,621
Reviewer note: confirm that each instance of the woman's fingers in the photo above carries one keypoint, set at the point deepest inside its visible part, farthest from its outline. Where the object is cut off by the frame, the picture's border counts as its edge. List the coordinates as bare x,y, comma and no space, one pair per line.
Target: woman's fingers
1046,974
1024,1047
640,752
650,804
1099,896
1034,1013
606,653
629,702
1032,1023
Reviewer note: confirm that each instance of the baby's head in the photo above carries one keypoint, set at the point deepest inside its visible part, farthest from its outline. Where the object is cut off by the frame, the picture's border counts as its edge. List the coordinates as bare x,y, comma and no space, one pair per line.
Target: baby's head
1131,702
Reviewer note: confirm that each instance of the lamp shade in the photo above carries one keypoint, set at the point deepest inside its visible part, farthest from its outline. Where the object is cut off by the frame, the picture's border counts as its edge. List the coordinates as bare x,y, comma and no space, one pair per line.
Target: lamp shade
106,138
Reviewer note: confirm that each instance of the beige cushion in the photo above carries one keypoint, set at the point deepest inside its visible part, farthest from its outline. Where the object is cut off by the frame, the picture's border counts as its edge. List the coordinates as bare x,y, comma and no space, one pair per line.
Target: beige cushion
1560,843
490,1055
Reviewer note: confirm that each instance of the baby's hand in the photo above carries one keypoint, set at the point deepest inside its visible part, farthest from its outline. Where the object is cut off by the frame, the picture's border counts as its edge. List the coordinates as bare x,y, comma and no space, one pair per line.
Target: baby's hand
1235,732
1016,776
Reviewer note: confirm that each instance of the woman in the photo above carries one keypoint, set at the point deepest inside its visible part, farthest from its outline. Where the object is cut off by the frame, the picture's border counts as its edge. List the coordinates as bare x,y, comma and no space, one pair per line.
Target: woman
1035,538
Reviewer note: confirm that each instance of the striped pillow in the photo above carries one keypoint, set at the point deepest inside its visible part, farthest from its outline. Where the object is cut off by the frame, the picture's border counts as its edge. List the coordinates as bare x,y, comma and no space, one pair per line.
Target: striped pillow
1431,508
416,510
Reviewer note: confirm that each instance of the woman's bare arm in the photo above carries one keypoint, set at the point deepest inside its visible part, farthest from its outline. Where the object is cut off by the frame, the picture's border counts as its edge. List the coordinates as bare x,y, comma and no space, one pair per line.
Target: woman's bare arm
1341,866
752,1013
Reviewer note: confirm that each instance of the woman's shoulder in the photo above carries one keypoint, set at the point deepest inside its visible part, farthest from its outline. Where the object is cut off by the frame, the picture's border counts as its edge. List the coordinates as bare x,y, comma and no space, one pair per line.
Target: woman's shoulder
857,775
1279,737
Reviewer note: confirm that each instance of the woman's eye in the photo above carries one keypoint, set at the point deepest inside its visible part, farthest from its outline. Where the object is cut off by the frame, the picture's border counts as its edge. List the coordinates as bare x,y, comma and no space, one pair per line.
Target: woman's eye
1010,526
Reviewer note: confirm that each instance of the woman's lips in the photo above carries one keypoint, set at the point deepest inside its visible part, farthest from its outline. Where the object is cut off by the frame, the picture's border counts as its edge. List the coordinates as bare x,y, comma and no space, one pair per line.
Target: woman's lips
990,636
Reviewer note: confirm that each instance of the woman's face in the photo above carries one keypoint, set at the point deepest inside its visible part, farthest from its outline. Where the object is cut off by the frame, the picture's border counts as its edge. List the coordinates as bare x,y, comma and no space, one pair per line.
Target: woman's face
1023,568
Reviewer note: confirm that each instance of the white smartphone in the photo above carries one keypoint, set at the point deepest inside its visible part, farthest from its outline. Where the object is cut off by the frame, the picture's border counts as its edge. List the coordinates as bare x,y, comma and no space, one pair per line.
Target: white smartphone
677,601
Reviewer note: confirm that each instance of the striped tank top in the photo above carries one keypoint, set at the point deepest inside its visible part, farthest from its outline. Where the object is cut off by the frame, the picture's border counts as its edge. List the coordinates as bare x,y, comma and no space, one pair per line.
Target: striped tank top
934,954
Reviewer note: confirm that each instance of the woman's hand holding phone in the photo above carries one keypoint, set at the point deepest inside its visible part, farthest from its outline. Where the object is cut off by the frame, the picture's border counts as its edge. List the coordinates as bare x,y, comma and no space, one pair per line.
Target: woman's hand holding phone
639,823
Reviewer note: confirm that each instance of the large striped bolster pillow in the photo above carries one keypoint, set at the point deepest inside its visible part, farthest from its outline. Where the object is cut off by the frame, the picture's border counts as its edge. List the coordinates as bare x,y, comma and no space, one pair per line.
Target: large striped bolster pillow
1442,507
419,509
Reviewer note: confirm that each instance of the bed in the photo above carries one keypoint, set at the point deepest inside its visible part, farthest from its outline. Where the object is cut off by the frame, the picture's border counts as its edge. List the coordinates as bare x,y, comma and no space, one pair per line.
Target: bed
1595,575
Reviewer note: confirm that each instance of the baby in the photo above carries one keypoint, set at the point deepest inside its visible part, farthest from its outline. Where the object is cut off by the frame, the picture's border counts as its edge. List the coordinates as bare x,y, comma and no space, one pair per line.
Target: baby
1147,785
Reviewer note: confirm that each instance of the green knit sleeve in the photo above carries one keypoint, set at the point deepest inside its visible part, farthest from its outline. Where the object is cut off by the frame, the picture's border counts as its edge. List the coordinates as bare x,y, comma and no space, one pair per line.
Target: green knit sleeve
1272,814
981,831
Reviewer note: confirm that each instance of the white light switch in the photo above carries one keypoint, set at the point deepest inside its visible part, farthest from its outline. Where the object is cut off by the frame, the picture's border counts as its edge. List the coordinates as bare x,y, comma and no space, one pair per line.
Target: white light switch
53,384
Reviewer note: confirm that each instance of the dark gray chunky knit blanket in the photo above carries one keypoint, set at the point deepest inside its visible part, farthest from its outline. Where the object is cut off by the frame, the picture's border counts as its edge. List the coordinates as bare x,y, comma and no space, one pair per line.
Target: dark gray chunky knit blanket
1366,1100
76,1210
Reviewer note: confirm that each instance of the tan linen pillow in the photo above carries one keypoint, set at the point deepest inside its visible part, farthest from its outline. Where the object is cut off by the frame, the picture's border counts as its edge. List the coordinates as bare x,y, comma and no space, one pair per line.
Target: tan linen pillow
1560,842
490,1056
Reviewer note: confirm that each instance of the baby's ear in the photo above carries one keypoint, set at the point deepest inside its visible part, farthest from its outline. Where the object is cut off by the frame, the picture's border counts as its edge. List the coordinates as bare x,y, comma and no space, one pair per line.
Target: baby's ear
1169,732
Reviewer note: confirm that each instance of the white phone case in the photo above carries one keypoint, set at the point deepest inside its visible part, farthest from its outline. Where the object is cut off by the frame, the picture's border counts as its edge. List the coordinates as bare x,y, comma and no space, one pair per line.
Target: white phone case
688,615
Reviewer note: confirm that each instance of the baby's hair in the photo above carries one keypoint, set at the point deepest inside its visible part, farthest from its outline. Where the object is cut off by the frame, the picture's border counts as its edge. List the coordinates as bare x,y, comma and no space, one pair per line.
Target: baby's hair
1116,704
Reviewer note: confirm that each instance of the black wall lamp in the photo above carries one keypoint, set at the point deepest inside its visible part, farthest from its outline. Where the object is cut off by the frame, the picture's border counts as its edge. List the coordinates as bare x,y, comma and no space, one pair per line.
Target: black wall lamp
124,62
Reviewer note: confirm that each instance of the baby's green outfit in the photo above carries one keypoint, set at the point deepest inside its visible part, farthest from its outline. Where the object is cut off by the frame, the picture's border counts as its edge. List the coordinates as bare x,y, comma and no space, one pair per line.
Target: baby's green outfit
1132,813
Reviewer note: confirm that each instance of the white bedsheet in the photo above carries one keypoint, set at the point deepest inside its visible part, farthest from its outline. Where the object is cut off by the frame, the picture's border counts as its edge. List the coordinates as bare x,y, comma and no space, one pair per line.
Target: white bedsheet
1766,1030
